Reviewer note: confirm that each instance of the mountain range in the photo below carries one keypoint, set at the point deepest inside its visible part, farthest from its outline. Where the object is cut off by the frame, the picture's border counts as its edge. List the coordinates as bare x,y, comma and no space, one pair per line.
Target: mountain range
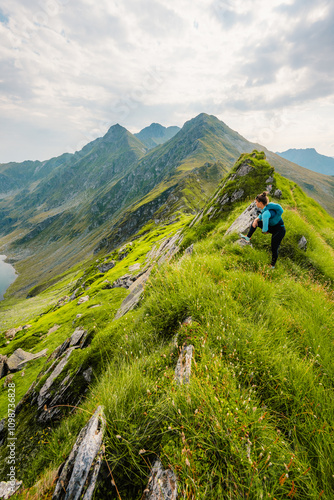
55,213
311,159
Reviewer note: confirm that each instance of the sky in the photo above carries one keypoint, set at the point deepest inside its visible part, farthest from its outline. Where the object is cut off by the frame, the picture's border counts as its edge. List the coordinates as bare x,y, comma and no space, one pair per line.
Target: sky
70,69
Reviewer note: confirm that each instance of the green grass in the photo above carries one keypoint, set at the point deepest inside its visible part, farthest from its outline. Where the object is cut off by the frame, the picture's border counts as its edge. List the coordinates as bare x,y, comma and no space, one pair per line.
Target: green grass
256,420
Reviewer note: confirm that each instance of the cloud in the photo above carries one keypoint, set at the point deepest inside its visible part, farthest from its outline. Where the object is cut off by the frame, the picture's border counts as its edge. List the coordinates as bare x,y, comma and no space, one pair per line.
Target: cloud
79,66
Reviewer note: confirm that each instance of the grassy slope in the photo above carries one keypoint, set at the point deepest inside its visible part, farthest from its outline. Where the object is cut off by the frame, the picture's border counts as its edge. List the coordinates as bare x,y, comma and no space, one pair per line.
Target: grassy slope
257,419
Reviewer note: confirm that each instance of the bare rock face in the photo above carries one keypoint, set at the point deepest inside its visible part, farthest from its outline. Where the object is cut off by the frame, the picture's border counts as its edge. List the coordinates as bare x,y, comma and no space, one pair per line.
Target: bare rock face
162,484
78,476
302,244
123,282
20,357
136,290
105,267
8,488
244,221
183,367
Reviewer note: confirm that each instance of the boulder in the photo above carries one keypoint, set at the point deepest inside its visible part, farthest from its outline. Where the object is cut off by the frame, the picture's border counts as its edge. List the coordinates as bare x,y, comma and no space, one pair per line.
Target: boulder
243,222
278,193
162,484
78,476
105,267
8,488
3,366
78,337
83,299
183,367
20,357
302,244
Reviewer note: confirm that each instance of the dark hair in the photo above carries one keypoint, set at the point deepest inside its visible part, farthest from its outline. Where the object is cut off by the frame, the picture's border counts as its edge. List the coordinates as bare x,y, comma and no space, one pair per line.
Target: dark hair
263,198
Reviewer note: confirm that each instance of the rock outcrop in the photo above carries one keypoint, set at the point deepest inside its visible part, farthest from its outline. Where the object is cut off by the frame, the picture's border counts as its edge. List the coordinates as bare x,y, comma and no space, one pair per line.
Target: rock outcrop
243,222
8,488
302,244
19,358
183,367
78,475
162,484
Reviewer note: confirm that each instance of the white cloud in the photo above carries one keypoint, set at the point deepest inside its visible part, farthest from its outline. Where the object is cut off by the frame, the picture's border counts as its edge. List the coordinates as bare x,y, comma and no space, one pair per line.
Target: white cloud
71,68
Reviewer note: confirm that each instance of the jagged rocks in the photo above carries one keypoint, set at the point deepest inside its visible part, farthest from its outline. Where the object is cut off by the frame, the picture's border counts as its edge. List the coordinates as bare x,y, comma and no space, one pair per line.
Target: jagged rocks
136,290
302,244
8,488
105,267
44,394
189,250
123,282
183,367
243,222
78,476
278,194
20,357
237,195
162,484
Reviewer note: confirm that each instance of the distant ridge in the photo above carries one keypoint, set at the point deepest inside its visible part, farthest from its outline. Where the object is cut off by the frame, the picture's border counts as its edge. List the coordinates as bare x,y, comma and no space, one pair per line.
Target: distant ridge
156,134
311,159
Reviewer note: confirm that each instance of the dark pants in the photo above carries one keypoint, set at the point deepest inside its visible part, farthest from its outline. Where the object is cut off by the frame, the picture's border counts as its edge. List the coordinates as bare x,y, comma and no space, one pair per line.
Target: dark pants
278,233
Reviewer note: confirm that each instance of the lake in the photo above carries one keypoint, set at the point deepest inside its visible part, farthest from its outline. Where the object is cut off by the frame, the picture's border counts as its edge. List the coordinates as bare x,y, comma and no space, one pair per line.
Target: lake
7,275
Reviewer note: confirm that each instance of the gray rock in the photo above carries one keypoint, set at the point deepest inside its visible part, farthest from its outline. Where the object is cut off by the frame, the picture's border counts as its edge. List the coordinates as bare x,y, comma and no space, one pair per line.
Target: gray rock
122,282
183,367
75,293
44,392
302,244
136,290
87,374
103,268
72,481
270,180
278,193
3,366
224,199
189,250
8,488
59,350
243,243
243,222
237,195
20,357
162,484
77,337
83,299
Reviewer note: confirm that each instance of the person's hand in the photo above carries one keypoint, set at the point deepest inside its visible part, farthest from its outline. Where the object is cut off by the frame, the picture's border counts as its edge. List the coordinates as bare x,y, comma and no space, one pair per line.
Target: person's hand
255,223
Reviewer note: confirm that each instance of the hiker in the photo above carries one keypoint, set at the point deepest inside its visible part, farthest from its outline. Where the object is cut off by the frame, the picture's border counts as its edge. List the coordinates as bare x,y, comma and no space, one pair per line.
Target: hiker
270,221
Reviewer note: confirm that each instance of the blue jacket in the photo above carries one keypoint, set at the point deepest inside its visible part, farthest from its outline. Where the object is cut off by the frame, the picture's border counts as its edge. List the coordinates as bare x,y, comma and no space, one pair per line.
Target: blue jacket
271,215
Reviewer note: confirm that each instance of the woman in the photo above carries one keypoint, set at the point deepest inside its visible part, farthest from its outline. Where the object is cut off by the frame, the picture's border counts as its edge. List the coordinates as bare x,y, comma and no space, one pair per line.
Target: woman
270,221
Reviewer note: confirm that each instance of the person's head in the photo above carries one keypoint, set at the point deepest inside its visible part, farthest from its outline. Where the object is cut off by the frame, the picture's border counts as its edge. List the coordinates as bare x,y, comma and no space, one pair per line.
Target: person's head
262,200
